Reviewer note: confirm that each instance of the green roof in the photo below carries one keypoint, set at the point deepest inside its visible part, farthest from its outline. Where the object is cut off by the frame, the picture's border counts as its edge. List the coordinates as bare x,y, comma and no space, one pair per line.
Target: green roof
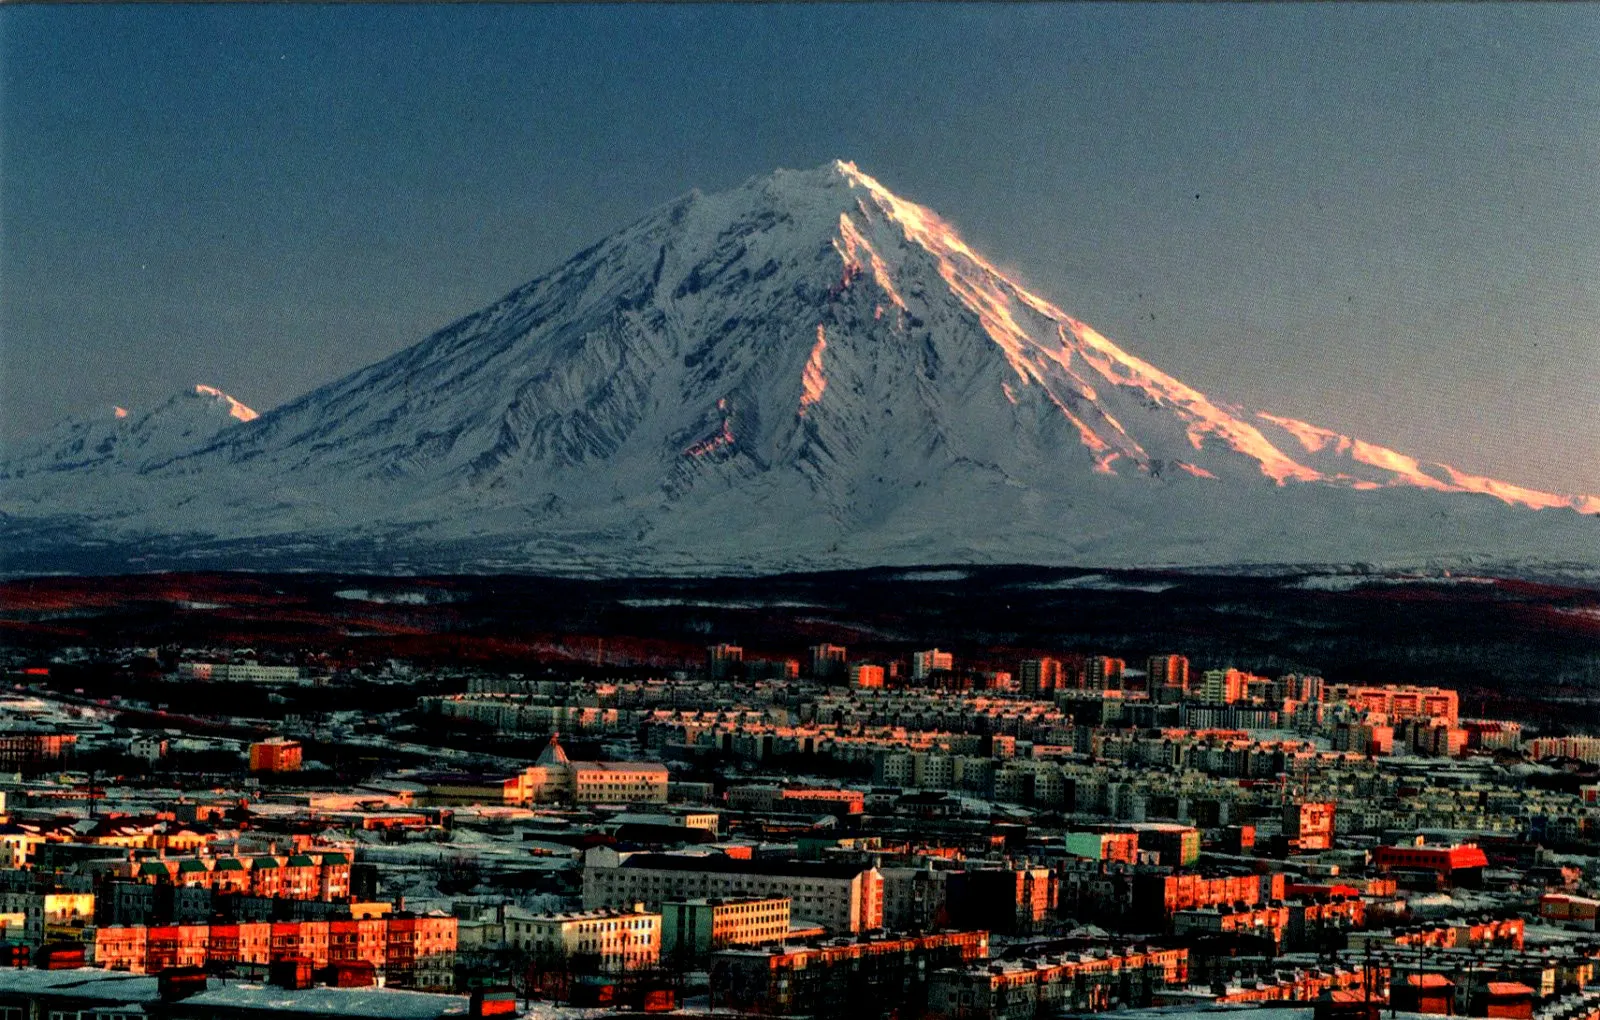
257,863
302,861
229,864
192,866
332,858
152,868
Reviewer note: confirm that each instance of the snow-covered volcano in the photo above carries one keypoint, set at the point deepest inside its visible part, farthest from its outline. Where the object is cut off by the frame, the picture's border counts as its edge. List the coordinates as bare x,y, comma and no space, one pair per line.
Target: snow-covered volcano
804,372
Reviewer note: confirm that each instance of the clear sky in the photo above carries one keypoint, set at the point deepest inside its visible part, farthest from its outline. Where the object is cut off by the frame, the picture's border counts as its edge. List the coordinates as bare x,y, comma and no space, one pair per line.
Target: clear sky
1384,219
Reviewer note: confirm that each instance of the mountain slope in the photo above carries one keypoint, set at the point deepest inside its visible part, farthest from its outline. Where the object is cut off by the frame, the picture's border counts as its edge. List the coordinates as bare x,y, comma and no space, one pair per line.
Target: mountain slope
803,371
120,441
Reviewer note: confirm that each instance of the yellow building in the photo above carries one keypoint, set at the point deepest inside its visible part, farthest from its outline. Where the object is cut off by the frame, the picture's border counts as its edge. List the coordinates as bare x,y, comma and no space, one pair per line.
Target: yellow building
17,848
554,778
693,928
41,909
617,782
841,897
621,939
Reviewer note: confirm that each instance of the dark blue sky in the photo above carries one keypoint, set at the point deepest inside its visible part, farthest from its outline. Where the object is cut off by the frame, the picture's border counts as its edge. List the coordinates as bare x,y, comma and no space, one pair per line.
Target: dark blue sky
1380,218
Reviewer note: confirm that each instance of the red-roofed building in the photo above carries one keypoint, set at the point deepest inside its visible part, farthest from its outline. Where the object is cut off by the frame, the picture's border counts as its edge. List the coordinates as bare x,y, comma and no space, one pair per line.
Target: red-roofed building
1571,911
1503,999
1424,993
1450,865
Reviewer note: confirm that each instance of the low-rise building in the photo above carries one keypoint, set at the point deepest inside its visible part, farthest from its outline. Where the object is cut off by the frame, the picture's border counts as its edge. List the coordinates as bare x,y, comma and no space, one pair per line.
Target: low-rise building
692,928
1269,922
553,778
822,979
617,939
1024,989
275,755
841,897
237,672
411,950
42,909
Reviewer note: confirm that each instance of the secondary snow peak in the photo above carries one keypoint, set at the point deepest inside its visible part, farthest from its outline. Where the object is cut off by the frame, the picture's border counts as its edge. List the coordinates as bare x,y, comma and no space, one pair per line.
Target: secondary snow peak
234,407
805,371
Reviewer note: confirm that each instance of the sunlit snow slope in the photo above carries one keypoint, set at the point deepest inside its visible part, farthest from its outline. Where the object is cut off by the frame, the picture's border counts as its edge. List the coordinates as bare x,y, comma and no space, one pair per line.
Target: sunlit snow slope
806,371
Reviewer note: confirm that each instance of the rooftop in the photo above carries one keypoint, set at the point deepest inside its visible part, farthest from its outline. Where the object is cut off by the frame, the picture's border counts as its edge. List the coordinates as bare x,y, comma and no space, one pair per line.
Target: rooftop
83,983
717,862
376,1003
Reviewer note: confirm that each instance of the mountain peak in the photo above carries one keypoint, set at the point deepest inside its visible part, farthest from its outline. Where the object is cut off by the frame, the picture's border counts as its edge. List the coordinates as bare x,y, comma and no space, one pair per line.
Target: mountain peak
184,421
804,371
234,407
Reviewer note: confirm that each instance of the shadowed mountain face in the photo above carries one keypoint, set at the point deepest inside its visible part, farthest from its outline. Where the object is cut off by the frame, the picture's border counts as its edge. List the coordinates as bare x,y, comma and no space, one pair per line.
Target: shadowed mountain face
806,371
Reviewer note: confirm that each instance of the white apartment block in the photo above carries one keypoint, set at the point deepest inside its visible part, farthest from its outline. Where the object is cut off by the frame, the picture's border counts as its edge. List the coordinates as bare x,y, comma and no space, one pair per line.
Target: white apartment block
696,927
621,939
617,782
249,672
841,898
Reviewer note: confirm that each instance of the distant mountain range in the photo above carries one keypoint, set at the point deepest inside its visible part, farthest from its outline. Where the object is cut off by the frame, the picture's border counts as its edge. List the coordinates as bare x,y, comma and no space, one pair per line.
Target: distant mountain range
804,372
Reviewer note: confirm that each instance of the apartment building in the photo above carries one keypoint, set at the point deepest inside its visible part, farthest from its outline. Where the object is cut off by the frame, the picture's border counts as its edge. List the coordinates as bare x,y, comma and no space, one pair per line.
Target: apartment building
619,939
828,661
1039,678
1022,990
925,664
1265,921
1397,702
412,950
1582,748
866,675
275,755
237,672
315,875
840,897
23,749
1103,673
692,928
1103,846
553,778
827,979
519,713
723,660
1166,672
767,798
40,909
1006,900
617,782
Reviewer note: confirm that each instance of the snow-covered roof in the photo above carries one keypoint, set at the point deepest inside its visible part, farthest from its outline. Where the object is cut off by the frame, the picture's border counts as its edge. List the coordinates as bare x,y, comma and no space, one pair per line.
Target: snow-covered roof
83,983
382,1003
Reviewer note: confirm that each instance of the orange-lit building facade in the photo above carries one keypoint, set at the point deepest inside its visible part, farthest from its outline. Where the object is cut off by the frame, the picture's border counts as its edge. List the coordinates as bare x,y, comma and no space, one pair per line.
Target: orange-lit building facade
866,675
1088,982
409,950
1309,825
321,875
275,755
1398,701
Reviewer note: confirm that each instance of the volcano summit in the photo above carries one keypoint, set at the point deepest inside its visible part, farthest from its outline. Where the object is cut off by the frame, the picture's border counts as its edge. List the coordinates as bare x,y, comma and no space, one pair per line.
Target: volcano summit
804,372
